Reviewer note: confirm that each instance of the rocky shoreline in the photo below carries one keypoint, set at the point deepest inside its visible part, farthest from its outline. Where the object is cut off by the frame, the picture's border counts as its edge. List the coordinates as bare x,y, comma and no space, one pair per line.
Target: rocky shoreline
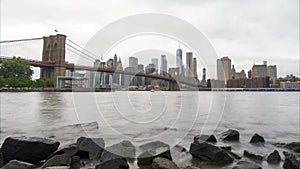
34,152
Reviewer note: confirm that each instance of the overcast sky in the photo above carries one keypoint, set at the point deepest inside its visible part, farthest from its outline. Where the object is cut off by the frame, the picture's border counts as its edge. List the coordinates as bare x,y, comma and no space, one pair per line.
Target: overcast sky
247,31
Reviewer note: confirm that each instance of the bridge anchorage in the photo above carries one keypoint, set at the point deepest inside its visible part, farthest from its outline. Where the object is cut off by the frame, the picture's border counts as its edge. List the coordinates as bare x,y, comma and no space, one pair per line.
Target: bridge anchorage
54,66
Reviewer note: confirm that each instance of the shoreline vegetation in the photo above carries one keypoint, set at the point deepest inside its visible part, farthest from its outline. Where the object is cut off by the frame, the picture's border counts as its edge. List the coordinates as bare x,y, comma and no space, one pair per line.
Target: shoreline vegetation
205,151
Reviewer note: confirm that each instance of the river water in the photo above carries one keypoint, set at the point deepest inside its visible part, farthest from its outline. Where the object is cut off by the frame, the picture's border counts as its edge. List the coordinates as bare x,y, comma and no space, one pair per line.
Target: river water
172,117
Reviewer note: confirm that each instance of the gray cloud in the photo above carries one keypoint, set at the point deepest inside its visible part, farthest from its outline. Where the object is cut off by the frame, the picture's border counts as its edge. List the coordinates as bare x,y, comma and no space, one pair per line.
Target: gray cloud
248,31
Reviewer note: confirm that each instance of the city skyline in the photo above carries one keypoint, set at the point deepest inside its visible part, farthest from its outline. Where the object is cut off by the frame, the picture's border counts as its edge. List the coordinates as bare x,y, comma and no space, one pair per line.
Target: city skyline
245,36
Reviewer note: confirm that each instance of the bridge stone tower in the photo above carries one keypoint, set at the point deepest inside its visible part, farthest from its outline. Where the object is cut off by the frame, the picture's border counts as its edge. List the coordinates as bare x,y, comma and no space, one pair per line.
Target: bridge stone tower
54,52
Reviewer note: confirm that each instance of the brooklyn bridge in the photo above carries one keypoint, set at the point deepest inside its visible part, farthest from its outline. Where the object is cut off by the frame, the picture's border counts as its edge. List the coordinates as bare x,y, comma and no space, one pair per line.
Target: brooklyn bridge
54,65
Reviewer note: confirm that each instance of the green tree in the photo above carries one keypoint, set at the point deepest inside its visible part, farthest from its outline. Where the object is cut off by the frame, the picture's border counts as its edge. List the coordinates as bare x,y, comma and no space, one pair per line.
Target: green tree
42,82
15,72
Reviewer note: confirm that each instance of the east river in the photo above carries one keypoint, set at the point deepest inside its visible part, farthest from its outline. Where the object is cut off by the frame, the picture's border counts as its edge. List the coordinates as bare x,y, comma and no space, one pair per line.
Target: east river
172,117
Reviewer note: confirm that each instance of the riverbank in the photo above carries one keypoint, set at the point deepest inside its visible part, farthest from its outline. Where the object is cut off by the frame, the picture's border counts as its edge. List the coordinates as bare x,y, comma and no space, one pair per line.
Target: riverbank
205,152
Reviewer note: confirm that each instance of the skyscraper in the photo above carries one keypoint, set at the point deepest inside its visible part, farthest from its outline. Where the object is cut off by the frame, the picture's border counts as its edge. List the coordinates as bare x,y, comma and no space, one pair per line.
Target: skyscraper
259,70
155,62
133,62
224,69
189,64
203,81
115,63
164,65
179,60
195,74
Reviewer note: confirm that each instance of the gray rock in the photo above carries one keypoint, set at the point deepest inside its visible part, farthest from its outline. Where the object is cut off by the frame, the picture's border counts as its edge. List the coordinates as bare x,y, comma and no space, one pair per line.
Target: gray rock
191,167
256,138
152,150
163,163
93,146
15,164
210,153
58,160
274,157
205,138
124,149
253,157
28,149
290,161
75,162
58,167
246,165
119,163
71,150
230,135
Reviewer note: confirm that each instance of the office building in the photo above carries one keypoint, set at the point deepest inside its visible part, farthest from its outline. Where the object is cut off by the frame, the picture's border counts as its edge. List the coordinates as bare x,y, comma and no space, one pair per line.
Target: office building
272,73
155,62
179,60
189,64
203,81
259,70
224,69
164,65
195,74
133,63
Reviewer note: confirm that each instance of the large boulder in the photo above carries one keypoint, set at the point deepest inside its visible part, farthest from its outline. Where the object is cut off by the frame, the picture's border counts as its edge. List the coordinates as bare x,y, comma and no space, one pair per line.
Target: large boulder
256,138
28,149
152,150
210,153
75,162
246,165
119,163
253,157
163,163
91,146
58,160
124,149
295,146
15,164
230,135
290,161
70,149
205,138
274,157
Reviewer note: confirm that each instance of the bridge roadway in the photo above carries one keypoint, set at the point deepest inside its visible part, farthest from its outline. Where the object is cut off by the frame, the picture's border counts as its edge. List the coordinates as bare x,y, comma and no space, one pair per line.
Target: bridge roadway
72,67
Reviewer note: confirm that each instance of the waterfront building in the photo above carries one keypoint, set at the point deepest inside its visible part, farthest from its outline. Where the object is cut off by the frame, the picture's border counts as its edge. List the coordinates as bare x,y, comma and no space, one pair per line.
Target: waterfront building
189,64
224,69
237,75
289,84
164,65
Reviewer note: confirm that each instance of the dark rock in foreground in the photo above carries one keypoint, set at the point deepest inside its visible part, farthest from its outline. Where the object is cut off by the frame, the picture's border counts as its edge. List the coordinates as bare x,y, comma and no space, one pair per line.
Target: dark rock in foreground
28,149
205,138
295,146
210,153
153,150
163,163
290,161
75,162
230,135
246,165
256,138
119,163
253,157
123,149
15,164
58,160
93,146
274,157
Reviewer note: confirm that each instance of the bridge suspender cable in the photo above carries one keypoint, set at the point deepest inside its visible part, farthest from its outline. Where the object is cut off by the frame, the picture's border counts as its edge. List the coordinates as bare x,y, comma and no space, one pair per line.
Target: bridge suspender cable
82,53
83,48
20,40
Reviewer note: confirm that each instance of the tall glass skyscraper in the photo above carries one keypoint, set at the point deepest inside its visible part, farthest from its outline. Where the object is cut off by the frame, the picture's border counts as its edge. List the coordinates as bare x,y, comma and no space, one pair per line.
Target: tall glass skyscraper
164,65
224,69
179,60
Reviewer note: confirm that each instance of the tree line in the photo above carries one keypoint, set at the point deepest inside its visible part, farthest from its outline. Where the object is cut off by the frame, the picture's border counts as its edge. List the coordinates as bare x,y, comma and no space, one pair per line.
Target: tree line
16,72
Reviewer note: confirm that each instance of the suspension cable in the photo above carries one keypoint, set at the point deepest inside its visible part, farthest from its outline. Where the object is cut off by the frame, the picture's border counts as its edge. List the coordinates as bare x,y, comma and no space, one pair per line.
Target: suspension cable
82,48
20,40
